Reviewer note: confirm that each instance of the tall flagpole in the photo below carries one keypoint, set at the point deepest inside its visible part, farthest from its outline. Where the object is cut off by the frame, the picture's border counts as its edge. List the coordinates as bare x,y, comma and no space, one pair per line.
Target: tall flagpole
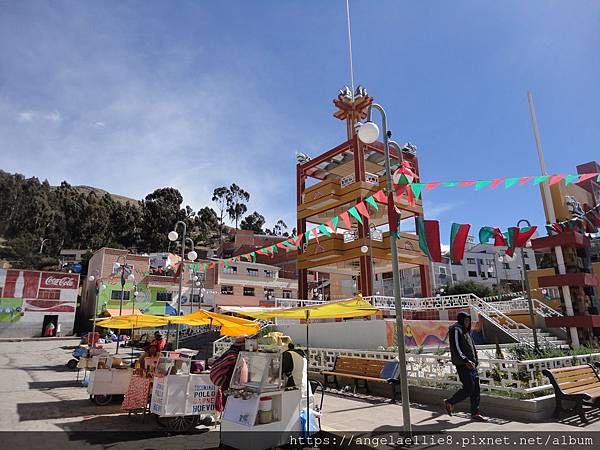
552,218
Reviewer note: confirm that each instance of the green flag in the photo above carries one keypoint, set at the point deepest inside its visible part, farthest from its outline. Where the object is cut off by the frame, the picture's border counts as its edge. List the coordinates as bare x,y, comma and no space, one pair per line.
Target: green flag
323,229
371,201
540,179
510,181
354,213
417,188
481,184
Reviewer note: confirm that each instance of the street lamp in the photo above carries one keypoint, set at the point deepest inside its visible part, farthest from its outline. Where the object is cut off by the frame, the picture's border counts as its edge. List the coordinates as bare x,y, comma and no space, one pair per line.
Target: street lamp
368,133
124,268
96,280
526,286
174,236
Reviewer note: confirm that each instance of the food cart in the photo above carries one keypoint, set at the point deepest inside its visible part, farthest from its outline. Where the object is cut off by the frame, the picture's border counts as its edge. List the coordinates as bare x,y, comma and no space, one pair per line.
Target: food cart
108,378
182,400
258,402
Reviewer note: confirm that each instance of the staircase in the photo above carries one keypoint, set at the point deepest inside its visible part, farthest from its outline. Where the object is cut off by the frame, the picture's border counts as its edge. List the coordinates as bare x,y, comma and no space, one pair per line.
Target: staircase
495,312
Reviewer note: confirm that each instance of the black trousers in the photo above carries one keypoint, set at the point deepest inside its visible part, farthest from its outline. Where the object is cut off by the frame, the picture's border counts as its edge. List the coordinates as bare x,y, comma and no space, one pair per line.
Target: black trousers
470,388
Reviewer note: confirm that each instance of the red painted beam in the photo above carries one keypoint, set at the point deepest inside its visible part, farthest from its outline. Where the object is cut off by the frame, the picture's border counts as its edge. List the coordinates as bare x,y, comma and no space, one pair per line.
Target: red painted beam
564,239
580,279
573,321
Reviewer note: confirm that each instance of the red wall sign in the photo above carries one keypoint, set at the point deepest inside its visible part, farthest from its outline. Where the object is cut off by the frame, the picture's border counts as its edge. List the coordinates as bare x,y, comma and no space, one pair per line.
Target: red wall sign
59,281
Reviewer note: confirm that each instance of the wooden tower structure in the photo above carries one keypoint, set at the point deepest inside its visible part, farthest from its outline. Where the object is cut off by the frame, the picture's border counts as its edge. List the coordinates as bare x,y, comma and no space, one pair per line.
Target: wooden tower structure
334,181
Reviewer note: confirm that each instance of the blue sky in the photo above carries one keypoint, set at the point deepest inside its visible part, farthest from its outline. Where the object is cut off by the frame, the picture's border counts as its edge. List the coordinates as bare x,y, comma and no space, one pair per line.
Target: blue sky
132,96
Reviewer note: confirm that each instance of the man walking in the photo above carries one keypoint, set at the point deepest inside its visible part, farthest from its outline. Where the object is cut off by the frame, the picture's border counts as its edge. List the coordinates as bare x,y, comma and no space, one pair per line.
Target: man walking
464,357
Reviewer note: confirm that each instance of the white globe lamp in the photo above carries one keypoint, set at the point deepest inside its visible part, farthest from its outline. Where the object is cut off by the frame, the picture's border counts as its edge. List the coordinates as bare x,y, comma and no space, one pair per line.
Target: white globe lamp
364,249
192,255
368,132
173,236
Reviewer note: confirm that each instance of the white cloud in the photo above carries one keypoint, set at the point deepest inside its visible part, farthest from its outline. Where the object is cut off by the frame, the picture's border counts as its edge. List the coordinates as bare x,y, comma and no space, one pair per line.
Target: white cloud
31,116
99,125
25,116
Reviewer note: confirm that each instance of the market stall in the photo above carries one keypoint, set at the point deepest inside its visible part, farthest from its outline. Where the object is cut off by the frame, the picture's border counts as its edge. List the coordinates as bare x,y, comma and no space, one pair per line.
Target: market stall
108,377
258,402
357,307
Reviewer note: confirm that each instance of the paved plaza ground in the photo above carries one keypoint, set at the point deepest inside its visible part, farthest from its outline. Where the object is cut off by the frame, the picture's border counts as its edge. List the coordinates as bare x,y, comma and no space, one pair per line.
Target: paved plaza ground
39,394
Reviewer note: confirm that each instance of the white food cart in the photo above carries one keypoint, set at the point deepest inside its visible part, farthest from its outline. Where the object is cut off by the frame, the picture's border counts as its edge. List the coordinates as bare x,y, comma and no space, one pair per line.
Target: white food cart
260,403
106,381
182,400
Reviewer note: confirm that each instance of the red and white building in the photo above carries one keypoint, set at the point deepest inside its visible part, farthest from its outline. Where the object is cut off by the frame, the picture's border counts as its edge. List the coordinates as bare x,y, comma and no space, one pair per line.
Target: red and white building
30,299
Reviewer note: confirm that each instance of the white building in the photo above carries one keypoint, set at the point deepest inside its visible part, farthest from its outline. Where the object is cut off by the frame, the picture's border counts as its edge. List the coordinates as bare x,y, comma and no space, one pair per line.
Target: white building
483,264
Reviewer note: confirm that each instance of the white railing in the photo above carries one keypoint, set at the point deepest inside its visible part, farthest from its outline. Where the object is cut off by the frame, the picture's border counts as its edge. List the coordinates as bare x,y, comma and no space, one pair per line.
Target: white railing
371,178
347,180
545,310
419,304
509,376
350,236
521,304
295,303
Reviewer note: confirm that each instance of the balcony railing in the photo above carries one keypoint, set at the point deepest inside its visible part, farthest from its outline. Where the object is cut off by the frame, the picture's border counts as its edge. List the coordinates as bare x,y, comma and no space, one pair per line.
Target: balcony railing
349,179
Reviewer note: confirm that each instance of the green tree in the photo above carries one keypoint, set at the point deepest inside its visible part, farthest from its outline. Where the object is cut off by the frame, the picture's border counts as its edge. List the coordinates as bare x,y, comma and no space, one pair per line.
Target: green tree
253,222
206,225
236,207
220,196
160,211
468,287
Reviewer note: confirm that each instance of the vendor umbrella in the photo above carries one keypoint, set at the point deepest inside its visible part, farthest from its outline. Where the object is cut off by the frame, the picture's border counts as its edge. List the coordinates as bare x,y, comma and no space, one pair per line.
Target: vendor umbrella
357,307
132,321
230,326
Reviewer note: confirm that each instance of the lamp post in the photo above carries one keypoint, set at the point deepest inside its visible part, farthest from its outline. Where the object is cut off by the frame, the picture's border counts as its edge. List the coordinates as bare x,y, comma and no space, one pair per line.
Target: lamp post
526,287
174,236
368,133
97,286
124,268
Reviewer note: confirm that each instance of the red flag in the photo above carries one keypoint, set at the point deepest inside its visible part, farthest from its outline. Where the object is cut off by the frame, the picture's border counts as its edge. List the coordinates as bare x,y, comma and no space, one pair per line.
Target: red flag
362,209
587,176
496,182
380,196
429,238
433,184
346,219
524,180
555,179
458,240
466,183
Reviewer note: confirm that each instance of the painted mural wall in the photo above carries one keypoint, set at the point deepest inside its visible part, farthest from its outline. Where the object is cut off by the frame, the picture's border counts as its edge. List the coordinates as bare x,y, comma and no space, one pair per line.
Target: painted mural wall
27,297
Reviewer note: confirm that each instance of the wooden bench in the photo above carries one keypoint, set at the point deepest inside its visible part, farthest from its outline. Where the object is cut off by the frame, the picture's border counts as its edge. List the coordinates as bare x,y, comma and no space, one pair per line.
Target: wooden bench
580,384
359,369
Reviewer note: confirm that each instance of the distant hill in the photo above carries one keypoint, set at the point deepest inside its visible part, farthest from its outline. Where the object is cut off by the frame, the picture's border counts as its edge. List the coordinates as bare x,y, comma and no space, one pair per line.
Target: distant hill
101,192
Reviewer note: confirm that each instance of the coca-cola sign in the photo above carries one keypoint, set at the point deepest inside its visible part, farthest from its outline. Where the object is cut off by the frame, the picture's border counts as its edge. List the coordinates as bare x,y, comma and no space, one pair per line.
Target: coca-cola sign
59,281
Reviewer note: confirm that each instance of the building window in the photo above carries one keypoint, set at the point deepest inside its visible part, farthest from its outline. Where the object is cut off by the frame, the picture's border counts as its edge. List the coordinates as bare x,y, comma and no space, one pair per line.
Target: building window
252,273
116,295
482,275
472,274
196,298
69,257
49,294
269,273
506,265
227,290
164,296
527,267
442,270
248,291
269,293
454,277
470,260
287,294
230,269
480,260
525,255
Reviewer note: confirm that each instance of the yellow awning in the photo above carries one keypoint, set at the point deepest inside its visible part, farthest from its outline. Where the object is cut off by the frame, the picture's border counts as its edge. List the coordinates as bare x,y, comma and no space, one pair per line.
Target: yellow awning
357,307
230,326
132,321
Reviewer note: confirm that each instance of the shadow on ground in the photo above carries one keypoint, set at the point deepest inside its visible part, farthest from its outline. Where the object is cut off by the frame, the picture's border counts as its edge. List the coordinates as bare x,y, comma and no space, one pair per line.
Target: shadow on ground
57,384
63,409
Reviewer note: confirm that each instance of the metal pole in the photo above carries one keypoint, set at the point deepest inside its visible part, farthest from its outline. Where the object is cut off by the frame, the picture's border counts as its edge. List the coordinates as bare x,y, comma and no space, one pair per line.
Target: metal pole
180,279
396,275
97,286
526,283
560,261
122,296
307,381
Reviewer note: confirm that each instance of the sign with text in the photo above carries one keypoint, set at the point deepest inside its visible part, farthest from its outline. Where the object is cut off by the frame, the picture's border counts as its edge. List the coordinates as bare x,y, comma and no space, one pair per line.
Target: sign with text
59,281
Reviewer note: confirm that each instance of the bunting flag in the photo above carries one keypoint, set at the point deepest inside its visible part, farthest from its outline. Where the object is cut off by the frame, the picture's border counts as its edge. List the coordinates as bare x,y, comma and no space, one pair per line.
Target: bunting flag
416,189
486,233
354,213
371,201
362,209
253,254
458,239
518,237
429,238
346,219
323,229
380,196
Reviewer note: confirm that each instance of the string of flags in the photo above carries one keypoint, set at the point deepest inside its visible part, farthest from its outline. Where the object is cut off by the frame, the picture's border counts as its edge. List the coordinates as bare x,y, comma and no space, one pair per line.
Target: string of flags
428,230
507,182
